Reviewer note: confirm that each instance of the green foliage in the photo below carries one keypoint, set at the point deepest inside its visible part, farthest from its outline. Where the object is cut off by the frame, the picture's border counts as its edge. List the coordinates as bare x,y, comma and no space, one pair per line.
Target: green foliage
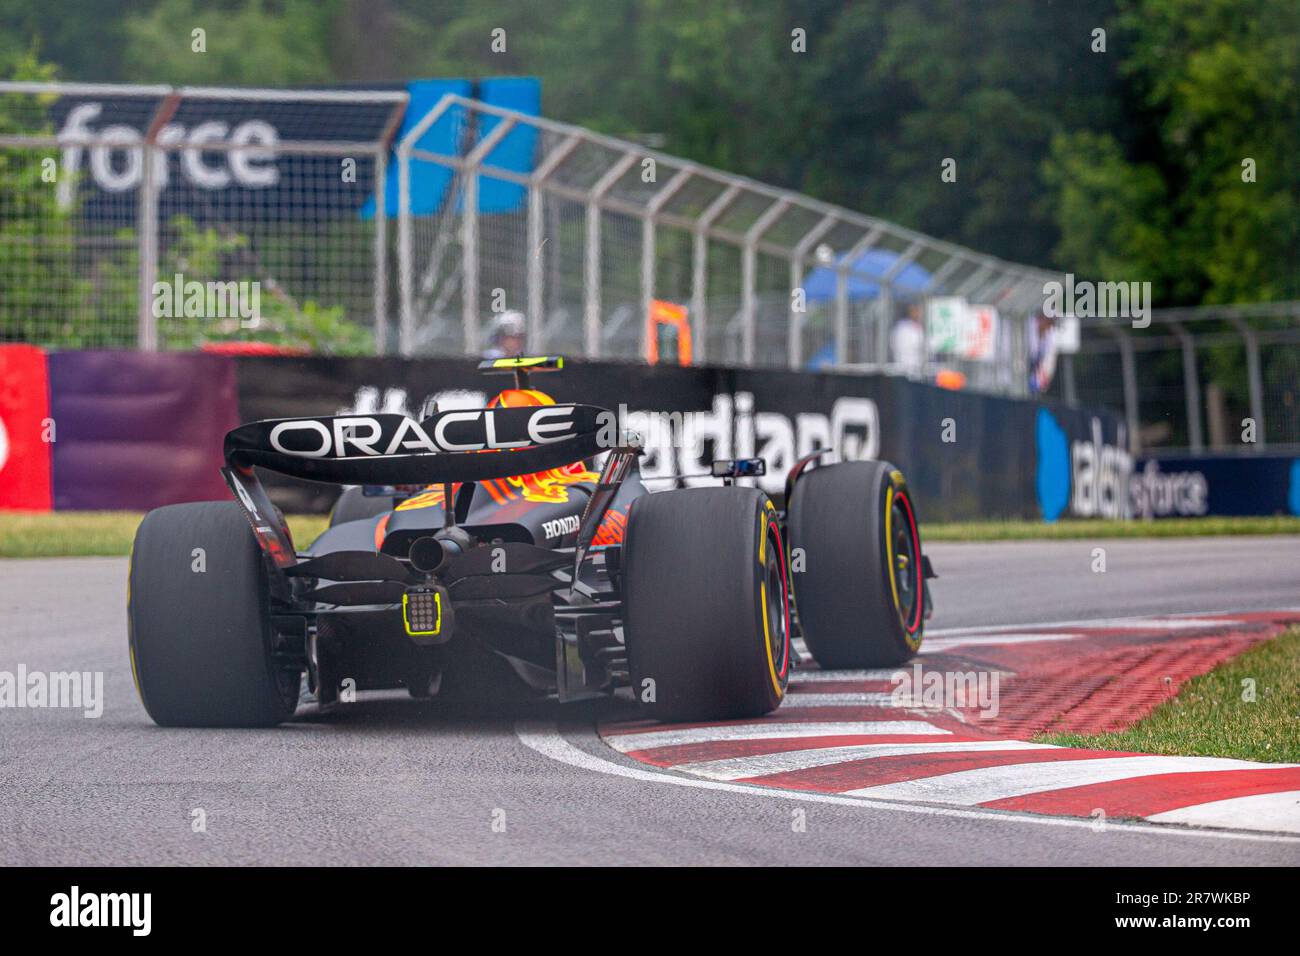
1211,84
36,239
258,42
1114,215
1122,164
201,254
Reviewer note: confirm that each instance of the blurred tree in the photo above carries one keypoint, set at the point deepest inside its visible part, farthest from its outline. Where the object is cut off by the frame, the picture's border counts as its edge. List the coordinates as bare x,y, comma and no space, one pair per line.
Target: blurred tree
84,37
248,42
1213,85
1115,163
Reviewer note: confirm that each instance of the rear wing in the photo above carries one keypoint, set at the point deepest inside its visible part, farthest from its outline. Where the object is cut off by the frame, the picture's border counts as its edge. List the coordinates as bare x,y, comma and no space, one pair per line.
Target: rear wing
450,446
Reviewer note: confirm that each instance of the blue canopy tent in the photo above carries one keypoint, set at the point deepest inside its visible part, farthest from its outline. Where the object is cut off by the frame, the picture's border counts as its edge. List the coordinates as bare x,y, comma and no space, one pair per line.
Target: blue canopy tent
821,284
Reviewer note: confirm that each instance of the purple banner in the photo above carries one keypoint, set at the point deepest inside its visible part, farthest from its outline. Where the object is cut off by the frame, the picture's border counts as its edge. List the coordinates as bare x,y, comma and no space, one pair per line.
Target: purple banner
137,430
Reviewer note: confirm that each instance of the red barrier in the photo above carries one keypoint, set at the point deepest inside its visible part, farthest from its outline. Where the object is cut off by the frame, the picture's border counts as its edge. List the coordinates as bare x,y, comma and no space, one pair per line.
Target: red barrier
24,429
137,430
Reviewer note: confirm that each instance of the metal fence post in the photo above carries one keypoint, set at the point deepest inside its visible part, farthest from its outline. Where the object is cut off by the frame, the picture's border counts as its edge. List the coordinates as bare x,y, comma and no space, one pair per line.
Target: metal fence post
147,226
648,223
1191,387
794,331
842,291
405,265
147,238
1254,379
591,318
381,250
884,316
535,319
469,313
405,243
1128,368
700,268
748,277
591,282
1068,390
469,260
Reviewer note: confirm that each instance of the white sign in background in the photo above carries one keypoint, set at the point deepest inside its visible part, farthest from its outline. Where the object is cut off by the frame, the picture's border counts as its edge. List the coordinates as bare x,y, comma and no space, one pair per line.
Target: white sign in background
955,327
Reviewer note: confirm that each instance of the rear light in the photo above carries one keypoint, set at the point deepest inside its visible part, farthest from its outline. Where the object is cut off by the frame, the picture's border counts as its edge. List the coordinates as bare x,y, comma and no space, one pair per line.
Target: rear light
422,611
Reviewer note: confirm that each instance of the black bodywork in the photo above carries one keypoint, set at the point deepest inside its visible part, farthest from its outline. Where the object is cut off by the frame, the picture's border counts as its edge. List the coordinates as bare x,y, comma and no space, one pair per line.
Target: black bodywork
523,565
501,552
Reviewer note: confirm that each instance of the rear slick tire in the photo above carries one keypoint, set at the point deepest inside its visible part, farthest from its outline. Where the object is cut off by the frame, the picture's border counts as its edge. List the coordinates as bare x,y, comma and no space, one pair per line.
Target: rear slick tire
858,575
199,622
706,604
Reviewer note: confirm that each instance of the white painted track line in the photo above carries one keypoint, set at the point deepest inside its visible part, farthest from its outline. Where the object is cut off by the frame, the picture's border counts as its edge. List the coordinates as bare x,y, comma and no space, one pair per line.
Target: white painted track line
737,768
845,699
544,738
647,740
1278,812
939,644
971,787
805,676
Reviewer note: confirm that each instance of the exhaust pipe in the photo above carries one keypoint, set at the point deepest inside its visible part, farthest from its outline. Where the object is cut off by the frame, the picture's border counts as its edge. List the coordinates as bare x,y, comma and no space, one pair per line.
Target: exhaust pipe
429,554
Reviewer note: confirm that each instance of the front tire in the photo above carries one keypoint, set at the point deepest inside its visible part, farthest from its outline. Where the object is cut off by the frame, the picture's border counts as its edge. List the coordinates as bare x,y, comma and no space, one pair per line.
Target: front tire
706,604
859,578
199,621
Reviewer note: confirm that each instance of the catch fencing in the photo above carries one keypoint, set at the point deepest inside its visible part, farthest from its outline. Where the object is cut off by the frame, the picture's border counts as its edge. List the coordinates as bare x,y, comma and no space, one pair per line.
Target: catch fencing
362,229
106,191
109,190
1220,378
601,228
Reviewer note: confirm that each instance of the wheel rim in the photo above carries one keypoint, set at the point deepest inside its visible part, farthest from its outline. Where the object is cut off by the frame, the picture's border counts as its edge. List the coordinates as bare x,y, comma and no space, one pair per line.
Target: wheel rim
905,553
778,603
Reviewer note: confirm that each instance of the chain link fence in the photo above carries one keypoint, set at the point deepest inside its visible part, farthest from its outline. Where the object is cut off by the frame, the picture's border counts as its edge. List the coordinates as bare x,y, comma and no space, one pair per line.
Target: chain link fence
159,217
1222,378
144,216
583,233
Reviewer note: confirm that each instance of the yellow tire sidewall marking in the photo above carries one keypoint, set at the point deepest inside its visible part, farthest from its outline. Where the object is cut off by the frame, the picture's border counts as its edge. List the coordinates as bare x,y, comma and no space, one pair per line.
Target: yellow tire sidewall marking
762,597
889,548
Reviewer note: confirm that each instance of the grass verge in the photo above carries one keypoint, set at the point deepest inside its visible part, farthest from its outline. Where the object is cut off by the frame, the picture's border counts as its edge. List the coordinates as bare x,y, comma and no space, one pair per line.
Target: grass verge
62,534
1209,717
30,534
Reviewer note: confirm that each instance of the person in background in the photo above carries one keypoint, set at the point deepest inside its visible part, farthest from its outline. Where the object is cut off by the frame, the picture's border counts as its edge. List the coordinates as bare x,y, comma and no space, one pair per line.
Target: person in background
507,336
1042,352
907,343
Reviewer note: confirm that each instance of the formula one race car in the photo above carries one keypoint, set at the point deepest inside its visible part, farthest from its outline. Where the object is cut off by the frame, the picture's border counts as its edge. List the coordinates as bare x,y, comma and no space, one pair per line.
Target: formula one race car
481,551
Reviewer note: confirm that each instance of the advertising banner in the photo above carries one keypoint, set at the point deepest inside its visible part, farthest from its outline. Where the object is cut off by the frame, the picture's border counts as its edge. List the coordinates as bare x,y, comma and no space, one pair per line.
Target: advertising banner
25,432
201,176
960,329
256,179
136,430
1189,487
968,456
945,318
981,333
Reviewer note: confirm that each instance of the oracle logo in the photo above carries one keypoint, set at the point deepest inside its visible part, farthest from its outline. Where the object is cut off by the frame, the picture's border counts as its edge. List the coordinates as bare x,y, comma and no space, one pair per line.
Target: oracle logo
346,437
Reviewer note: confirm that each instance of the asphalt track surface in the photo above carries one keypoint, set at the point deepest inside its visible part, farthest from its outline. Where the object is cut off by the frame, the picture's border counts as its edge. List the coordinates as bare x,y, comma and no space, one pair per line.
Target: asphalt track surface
393,781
